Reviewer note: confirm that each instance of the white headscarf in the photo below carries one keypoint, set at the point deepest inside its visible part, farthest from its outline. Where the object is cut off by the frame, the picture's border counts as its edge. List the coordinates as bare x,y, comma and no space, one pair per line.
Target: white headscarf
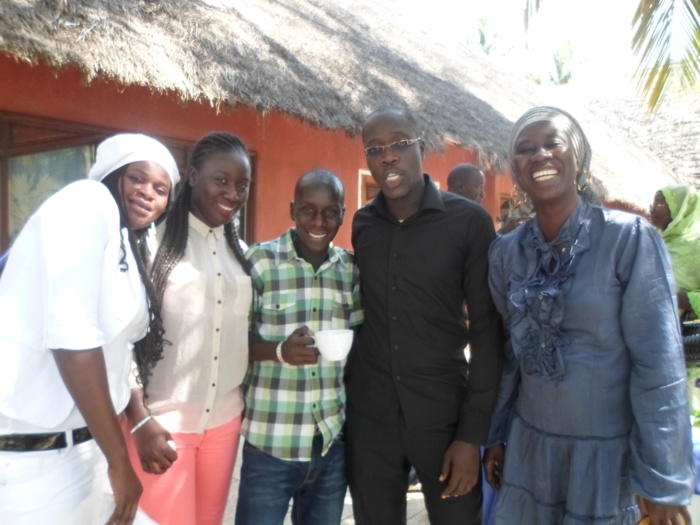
125,148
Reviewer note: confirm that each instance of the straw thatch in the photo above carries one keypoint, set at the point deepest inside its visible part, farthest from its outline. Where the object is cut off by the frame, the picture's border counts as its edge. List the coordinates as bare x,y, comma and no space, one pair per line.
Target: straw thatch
671,133
329,62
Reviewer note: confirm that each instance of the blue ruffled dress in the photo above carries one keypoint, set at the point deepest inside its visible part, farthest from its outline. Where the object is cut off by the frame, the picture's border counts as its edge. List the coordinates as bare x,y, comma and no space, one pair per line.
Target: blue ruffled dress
592,402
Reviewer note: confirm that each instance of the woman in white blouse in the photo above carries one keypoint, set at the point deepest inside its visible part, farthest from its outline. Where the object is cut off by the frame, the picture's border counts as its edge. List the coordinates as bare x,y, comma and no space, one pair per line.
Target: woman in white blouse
193,400
74,297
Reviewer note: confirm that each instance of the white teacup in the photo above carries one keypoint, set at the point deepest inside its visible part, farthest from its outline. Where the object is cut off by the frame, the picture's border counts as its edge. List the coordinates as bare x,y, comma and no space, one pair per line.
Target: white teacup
334,345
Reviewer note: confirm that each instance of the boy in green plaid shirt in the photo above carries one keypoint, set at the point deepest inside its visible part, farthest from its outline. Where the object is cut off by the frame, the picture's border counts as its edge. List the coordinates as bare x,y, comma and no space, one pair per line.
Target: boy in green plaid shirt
295,399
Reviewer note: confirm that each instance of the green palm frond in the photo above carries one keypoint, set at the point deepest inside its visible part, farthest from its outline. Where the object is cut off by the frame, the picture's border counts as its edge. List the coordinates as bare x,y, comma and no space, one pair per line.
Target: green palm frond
667,41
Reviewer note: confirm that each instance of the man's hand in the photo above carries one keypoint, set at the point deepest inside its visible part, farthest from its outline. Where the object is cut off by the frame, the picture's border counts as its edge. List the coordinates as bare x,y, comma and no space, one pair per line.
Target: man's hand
151,441
493,465
297,349
659,514
460,468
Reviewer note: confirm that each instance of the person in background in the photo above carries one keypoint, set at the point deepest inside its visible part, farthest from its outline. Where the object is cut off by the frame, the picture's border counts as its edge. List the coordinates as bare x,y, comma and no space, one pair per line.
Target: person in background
413,400
295,398
468,181
592,403
675,212
74,298
194,399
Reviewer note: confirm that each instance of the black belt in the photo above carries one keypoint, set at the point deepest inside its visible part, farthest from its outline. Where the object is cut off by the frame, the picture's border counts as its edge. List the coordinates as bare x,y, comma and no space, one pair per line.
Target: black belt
51,441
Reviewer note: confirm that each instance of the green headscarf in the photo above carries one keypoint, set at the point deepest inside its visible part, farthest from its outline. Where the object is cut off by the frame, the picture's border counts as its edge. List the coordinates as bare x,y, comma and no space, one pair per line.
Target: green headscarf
682,238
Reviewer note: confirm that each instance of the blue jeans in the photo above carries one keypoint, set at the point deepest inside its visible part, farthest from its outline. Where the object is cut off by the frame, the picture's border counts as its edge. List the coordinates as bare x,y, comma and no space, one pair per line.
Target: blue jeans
317,487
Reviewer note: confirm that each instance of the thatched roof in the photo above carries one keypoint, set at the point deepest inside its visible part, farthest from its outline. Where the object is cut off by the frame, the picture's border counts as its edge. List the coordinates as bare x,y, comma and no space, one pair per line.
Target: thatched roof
671,133
329,62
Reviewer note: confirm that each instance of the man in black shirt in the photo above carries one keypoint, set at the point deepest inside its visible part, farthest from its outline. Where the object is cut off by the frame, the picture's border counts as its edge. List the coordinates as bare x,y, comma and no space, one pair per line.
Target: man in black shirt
412,398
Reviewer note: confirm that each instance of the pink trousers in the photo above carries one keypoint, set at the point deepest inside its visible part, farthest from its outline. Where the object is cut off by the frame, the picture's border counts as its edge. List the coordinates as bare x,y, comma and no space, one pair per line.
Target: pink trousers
194,490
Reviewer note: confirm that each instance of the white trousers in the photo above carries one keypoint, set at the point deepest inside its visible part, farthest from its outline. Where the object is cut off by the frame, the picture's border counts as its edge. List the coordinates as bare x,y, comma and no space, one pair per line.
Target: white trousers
61,487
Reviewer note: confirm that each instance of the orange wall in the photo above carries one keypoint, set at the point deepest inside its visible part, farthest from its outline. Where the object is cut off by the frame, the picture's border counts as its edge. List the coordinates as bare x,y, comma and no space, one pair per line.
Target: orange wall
285,146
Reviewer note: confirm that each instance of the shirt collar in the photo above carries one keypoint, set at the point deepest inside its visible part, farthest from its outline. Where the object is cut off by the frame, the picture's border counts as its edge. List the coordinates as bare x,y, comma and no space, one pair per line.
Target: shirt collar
431,199
288,252
203,229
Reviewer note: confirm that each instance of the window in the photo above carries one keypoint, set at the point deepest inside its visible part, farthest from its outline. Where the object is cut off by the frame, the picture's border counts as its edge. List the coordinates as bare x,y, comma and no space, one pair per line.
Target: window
368,188
39,156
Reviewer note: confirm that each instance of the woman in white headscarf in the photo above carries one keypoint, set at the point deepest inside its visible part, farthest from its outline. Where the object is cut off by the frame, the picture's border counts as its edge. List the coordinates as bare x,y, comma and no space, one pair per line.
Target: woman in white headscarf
74,298
592,402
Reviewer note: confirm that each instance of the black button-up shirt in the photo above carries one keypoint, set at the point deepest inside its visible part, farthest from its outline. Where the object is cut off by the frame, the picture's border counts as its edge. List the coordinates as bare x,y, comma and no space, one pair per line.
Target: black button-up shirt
416,277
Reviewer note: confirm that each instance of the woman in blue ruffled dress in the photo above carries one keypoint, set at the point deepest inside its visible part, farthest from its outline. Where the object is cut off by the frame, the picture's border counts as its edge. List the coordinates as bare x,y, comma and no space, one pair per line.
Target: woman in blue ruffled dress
593,401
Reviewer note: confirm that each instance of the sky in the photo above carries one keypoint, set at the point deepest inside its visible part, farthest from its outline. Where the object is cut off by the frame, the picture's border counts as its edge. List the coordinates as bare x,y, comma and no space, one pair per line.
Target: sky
599,31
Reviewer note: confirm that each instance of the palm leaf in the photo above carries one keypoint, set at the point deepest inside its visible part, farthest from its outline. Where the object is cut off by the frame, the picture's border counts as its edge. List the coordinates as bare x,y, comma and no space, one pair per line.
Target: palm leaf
667,42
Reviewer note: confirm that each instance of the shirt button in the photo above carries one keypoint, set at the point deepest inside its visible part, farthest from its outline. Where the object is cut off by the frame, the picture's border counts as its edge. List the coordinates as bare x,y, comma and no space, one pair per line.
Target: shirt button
393,287
396,347
544,345
219,302
217,329
394,255
398,378
213,384
214,253
216,357
218,274
393,318
313,373
208,410
314,405
314,309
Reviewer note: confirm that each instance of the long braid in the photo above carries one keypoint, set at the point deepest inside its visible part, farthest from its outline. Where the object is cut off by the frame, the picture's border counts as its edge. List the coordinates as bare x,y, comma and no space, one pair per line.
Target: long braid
148,350
174,242
172,247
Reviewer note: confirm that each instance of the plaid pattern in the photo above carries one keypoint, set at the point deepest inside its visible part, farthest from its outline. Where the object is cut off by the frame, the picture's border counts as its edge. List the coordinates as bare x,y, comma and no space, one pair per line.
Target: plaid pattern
285,403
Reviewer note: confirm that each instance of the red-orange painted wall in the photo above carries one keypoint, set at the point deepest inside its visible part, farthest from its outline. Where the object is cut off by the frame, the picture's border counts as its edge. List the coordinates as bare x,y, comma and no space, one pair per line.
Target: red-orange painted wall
285,146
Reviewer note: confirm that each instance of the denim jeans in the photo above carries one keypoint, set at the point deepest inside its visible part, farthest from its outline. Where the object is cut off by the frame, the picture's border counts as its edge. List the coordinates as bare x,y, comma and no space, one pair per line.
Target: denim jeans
316,488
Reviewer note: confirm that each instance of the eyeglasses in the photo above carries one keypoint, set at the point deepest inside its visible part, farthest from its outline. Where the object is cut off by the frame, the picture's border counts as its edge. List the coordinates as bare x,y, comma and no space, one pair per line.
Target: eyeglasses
398,146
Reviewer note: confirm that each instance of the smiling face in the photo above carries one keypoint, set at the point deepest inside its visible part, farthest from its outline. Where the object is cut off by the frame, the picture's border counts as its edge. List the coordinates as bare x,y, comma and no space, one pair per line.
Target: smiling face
317,212
220,187
544,164
397,171
659,212
144,189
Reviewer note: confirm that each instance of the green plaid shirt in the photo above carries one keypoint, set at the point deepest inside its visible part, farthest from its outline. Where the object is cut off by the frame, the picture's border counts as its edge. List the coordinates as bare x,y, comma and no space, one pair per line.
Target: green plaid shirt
285,403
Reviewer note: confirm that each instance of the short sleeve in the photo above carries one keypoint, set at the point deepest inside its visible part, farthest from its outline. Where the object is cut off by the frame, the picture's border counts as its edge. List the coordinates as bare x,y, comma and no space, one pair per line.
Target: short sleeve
73,234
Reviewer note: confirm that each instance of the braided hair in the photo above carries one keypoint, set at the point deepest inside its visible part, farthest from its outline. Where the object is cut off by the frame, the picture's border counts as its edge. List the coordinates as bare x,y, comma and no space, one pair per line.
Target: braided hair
148,350
174,242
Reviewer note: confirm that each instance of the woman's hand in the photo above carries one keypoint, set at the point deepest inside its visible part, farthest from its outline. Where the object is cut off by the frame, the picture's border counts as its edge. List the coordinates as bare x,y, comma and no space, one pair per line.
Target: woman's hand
493,465
658,514
155,453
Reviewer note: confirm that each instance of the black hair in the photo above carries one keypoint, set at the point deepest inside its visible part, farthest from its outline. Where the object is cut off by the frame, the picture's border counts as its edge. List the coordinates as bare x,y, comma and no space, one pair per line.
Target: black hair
148,350
402,110
320,178
172,247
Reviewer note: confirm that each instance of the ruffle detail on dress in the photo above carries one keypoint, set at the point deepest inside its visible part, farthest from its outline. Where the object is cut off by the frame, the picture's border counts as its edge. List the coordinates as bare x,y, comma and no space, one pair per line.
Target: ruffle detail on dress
538,299
586,483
